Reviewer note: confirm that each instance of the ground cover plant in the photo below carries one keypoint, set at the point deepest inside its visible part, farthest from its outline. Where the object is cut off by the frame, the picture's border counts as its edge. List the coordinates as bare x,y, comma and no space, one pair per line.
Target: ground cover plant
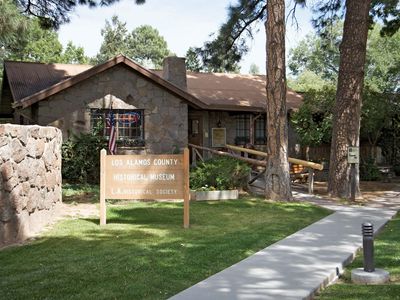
143,252
387,256
220,173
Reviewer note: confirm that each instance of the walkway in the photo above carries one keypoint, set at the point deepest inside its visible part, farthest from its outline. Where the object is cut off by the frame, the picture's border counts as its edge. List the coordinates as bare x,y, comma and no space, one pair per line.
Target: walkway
297,266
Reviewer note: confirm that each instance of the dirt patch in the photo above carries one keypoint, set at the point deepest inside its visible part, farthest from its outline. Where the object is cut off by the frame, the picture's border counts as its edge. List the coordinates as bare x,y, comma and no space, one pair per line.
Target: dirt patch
79,210
369,189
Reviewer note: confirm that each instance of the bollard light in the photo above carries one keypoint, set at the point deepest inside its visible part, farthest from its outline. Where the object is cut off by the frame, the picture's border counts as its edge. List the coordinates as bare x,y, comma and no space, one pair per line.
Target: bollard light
368,246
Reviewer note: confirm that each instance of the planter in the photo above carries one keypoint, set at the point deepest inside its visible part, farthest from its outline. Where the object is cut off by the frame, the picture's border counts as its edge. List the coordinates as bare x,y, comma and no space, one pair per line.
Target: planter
214,195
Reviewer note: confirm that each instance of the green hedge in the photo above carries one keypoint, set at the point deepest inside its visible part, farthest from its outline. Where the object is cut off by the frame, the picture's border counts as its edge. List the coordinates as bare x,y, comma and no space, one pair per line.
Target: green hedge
81,157
222,173
369,171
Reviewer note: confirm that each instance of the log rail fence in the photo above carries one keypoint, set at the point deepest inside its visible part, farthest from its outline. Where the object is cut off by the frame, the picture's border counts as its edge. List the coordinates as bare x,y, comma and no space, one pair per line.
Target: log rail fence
308,165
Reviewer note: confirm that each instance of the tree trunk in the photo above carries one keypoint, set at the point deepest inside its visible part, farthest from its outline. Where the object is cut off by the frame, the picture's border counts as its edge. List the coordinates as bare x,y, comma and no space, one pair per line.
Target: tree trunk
277,171
347,111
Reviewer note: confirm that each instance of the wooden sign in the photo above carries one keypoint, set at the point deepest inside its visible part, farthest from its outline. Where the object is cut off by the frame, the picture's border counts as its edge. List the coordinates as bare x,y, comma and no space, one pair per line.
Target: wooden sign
218,137
144,177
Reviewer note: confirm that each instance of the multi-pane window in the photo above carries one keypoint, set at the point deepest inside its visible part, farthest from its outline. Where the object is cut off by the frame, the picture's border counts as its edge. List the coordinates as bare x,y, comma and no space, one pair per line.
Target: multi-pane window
242,129
259,131
129,125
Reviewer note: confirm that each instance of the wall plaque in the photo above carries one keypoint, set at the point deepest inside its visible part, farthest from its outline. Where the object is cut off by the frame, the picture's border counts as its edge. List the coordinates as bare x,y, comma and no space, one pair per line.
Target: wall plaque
218,137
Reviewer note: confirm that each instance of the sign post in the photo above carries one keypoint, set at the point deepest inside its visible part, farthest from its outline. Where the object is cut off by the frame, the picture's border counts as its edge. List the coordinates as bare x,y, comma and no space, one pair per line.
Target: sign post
103,154
186,189
144,177
353,158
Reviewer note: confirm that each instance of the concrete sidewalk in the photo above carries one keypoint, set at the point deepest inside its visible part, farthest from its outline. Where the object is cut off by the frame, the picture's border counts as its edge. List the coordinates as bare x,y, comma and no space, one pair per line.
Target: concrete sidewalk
297,266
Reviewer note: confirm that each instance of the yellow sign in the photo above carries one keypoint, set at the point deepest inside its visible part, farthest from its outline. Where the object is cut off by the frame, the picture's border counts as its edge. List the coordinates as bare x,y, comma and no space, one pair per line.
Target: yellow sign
218,137
144,177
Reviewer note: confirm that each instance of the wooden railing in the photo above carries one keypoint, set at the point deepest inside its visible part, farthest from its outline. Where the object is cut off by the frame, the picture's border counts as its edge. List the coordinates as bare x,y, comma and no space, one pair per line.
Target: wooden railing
311,166
290,159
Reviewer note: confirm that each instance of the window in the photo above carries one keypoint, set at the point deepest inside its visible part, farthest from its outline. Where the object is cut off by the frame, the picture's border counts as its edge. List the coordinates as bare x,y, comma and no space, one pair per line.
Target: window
259,131
194,127
242,129
129,125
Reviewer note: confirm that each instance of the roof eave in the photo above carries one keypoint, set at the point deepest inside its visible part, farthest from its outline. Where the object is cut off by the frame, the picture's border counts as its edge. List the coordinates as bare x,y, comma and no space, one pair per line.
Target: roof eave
62,85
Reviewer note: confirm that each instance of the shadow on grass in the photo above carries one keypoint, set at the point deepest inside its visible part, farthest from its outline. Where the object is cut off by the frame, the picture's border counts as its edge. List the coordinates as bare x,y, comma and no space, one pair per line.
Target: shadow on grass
140,215
143,252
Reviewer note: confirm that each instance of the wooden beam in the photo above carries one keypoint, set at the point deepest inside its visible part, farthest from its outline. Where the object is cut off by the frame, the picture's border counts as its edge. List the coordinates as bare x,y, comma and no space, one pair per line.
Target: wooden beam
198,154
251,130
194,163
291,160
222,153
256,177
251,151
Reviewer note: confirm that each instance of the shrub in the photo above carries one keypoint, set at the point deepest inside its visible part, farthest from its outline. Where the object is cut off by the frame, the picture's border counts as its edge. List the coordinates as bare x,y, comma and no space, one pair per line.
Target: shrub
369,171
396,170
222,173
81,157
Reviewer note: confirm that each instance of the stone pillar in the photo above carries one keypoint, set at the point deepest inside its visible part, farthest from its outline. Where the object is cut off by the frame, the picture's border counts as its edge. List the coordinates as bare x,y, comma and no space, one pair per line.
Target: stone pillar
30,180
174,71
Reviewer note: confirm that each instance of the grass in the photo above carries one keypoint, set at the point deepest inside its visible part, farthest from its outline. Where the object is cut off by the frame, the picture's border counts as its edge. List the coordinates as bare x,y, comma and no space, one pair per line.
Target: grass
143,252
387,256
78,193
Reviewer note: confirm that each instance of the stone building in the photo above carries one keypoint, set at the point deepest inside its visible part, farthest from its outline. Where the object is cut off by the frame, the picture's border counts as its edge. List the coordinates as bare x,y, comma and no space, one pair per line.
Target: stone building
155,111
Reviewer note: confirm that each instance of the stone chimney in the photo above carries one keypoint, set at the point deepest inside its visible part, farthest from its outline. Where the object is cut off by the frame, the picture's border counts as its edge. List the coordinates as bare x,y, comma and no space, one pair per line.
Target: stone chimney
174,71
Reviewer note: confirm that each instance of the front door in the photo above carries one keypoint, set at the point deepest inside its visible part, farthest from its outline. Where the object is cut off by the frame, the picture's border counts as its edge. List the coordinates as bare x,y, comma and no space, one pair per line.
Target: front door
196,130
195,134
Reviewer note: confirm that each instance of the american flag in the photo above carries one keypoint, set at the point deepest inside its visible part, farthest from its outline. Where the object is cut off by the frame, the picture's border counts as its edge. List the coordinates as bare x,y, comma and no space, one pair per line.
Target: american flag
112,145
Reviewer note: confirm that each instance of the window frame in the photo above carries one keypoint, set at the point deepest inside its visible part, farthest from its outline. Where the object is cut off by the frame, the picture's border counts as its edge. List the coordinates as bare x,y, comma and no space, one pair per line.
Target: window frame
242,132
262,138
122,140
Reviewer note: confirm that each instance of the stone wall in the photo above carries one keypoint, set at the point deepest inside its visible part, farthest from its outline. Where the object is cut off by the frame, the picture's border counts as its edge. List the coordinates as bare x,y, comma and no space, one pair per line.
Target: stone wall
30,179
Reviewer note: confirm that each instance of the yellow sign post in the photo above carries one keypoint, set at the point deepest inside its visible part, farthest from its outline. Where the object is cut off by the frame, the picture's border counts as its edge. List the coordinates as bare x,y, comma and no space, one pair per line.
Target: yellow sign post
144,177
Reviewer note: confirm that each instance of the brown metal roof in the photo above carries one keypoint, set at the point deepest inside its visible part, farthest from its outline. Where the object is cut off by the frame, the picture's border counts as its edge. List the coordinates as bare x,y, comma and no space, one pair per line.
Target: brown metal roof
32,82
222,90
27,78
67,82
219,89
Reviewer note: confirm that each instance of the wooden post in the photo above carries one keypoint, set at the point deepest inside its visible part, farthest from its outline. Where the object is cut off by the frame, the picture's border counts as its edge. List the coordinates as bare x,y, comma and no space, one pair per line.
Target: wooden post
103,154
193,157
310,180
353,182
186,188
251,131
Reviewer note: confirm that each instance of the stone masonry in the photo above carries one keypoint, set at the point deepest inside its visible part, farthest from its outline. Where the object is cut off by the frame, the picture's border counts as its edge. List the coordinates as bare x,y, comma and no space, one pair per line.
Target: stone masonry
165,115
30,179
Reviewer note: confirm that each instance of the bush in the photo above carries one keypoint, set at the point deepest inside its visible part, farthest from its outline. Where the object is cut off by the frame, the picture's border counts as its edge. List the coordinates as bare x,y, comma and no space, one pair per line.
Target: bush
369,171
222,173
396,170
81,157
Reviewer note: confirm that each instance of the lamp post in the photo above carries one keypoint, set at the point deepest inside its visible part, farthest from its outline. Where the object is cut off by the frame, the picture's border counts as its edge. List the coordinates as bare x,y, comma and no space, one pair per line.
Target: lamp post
368,246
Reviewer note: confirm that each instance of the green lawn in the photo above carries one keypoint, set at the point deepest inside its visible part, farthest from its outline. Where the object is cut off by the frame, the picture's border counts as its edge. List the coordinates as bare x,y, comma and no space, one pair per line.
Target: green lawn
77,193
387,256
143,252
